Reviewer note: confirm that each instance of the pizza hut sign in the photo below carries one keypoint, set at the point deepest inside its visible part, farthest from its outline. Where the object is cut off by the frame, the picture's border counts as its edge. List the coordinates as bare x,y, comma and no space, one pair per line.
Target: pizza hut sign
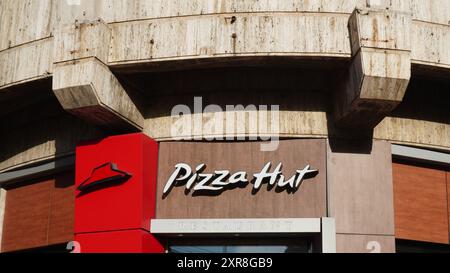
199,181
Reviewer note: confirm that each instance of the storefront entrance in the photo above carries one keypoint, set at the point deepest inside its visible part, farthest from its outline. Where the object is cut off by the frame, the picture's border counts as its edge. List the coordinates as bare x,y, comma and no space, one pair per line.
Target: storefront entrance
294,244
263,235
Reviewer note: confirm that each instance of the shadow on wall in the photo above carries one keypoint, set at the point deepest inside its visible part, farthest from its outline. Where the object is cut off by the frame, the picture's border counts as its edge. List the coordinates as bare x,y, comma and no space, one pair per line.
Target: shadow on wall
353,146
426,99
35,129
40,129
306,89
293,89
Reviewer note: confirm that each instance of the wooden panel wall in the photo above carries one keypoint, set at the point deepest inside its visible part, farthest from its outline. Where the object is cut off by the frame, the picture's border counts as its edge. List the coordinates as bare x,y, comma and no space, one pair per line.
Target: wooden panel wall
421,203
39,214
61,218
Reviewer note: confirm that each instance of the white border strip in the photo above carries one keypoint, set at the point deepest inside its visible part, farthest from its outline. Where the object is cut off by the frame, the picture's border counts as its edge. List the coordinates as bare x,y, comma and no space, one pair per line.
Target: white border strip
235,226
2,213
420,154
328,235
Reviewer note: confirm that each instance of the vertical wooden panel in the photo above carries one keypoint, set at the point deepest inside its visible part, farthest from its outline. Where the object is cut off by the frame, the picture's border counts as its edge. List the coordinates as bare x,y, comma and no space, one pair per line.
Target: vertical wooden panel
61,223
420,198
26,216
39,213
25,21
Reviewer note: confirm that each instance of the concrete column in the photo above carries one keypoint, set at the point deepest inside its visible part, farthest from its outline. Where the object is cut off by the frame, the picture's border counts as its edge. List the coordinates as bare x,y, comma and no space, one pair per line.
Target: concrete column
360,195
379,73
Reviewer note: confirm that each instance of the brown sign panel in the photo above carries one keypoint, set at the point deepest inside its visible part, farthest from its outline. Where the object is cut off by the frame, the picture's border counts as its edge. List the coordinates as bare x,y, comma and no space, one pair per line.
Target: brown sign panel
242,200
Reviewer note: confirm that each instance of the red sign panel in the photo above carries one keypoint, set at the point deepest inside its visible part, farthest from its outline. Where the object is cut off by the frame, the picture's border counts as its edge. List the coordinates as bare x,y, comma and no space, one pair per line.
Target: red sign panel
116,189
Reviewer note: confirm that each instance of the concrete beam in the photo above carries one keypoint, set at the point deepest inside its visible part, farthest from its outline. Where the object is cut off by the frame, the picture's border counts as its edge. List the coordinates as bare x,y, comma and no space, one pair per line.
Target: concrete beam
87,89
82,81
380,70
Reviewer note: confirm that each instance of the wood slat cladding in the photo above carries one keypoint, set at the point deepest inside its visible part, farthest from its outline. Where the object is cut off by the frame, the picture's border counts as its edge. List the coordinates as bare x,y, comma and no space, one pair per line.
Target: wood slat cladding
308,201
61,220
39,213
421,203
26,216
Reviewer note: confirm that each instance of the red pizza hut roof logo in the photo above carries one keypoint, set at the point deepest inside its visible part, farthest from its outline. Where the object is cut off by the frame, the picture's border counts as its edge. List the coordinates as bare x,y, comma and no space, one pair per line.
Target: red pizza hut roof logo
104,175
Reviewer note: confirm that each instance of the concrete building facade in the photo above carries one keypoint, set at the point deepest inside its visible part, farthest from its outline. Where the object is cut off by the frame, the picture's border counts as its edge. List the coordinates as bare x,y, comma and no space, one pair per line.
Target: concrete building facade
356,90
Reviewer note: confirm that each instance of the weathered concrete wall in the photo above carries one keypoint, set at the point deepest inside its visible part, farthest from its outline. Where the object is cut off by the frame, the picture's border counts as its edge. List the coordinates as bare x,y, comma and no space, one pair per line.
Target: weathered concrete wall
199,29
380,69
30,20
429,44
219,36
160,31
414,132
304,99
26,63
274,34
25,21
301,115
118,10
435,11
